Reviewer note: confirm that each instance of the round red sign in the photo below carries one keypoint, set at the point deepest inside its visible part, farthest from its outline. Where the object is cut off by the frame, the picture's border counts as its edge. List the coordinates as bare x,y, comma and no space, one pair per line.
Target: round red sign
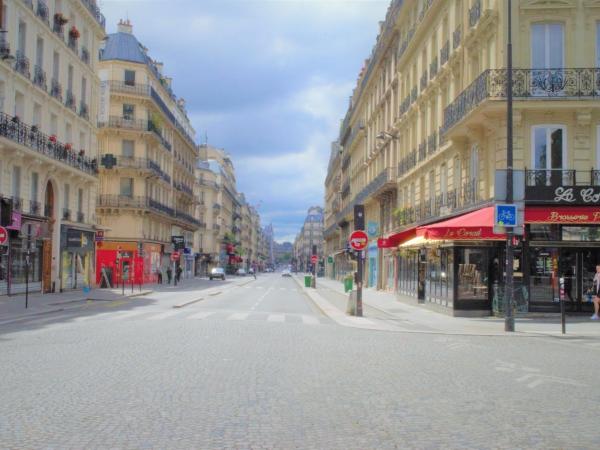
174,256
359,240
3,235
314,259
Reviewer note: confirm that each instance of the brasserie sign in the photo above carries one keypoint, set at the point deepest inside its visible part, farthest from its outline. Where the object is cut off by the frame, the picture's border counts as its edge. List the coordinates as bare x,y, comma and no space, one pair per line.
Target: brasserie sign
563,195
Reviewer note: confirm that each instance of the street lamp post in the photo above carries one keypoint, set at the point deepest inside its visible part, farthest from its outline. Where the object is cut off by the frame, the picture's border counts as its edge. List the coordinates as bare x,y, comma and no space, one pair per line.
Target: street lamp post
509,319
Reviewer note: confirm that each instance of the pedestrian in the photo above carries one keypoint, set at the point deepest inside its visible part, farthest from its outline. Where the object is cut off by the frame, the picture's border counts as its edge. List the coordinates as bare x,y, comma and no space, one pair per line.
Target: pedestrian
178,271
596,293
169,275
159,276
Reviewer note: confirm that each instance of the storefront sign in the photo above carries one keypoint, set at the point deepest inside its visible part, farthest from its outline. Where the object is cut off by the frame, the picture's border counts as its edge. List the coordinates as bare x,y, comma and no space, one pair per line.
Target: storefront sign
178,242
15,223
565,195
564,215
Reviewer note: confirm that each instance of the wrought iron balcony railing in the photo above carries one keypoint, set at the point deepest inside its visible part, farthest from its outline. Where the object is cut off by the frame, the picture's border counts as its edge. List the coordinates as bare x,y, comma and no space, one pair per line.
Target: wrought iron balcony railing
553,84
39,78
405,105
556,177
182,187
422,151
29,136
4,45
432,144
413,95
159,207
122,201
95,12
134,89
22,64
185,217
56,90
475,13
445,53
42,12
70,101
424,80
17,204
66,214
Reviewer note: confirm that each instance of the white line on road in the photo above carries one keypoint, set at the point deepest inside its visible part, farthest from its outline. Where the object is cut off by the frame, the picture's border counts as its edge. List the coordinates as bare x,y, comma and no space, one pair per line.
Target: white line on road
276,318
201,315
310,320
238,316
164,315
128,314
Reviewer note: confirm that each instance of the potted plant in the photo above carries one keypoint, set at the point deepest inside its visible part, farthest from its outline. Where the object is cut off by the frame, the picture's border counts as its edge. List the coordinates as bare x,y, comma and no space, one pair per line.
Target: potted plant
52,138
16,119
74,32
68,146
60,19
82,152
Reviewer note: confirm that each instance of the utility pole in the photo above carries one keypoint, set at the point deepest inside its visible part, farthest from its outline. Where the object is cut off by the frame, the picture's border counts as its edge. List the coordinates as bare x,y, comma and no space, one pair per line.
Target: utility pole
509,319
359,224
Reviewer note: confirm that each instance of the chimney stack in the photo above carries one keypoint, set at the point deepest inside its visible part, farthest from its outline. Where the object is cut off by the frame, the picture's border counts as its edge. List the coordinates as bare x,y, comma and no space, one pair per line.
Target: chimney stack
124,26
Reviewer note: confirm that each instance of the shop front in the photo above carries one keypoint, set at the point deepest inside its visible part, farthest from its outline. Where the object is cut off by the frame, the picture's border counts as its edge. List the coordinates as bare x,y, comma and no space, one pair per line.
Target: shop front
77,257
563,242
372,265
120,263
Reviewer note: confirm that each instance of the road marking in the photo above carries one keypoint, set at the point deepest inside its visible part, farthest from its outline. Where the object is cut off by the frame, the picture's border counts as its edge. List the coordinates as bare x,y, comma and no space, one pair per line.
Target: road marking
310,320
128,314
276,318
260,287
238,316
533,377
201,315
164,315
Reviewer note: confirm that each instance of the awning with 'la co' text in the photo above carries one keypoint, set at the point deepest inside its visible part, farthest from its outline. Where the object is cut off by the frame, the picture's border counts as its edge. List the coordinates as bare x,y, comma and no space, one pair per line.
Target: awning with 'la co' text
473,226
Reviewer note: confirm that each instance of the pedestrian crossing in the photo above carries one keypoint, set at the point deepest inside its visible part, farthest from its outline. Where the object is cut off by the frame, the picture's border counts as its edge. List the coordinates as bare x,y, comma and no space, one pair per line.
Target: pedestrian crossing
191,315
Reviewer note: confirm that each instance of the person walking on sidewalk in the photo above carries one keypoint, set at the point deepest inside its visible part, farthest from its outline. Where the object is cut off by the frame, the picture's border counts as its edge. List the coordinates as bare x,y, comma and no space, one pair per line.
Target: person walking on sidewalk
178,271
159,275
169,275
596,293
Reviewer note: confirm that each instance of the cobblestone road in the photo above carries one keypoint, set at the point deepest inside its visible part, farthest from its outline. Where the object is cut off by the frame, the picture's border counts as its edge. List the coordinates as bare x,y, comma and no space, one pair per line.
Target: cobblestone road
259,367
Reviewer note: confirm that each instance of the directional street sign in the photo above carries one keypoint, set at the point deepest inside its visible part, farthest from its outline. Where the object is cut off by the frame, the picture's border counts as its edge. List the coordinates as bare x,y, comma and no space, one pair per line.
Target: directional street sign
505,215
359,240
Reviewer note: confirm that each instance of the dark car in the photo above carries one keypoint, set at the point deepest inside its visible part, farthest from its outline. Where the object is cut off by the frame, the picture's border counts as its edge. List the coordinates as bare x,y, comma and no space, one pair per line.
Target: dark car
217,272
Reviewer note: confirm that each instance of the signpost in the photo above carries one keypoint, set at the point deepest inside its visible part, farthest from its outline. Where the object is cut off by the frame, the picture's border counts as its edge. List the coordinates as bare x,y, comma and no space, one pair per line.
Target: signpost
314,259
174,259
359,241
29,231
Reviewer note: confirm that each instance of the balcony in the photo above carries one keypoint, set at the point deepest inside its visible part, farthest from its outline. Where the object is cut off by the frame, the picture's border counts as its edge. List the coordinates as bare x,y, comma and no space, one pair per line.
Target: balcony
42,12
22,64
159,207
92,7
39,78
34,208
445,53
432,144
475,13
188,219
130,124
405,105
122,201
413,95
84,110
422,151
528,84
70,101
56,90
4,45
66,214
72,43
80,217
85,54
182,187
562,186
386,181
433,68
456,37
346,190
29,136
346,162
17,204
217,207
58,25
407,163
132,89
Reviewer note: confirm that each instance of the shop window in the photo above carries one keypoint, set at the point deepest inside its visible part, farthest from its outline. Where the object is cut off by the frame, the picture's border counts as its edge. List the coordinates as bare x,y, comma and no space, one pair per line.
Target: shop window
544,232
590,233
472,276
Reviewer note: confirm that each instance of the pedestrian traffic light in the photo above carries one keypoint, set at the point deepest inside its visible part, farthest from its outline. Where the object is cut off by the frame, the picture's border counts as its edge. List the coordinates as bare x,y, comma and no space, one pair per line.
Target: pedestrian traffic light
5,212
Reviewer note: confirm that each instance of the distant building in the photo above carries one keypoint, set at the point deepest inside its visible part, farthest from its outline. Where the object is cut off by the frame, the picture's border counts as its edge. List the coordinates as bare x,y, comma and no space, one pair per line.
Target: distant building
310,234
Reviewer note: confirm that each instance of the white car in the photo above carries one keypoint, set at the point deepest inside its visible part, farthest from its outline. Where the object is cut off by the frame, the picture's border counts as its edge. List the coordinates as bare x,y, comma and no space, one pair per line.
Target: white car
286,273
217,272
241,272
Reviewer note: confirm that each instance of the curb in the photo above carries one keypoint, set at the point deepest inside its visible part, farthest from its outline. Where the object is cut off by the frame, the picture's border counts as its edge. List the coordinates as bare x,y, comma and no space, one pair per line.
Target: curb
183,305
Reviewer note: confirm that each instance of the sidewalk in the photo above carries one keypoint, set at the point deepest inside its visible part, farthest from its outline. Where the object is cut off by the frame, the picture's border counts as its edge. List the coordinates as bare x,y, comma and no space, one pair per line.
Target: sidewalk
385,309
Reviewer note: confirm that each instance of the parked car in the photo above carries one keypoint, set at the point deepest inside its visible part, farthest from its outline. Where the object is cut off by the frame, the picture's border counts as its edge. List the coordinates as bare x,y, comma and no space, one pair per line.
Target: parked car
217,272
241,272
286,273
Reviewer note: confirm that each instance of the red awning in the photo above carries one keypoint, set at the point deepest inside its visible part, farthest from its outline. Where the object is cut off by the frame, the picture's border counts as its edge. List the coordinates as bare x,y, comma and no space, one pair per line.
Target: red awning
396,239
473,226
563,214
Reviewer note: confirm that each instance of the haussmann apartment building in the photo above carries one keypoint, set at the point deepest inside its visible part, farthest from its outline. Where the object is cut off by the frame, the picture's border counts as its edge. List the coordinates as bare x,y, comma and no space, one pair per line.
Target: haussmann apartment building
423,147
49,92
147,167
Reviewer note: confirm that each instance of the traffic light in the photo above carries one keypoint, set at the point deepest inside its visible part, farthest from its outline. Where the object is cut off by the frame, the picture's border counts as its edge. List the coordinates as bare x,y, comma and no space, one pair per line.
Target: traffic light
5,212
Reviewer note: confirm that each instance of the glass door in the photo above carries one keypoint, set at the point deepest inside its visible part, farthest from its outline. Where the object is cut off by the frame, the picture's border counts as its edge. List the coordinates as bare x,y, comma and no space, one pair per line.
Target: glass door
543,275
548,78
548,155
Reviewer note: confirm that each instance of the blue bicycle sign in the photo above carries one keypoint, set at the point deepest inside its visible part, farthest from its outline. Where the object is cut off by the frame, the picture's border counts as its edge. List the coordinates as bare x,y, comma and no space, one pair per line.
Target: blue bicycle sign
505,215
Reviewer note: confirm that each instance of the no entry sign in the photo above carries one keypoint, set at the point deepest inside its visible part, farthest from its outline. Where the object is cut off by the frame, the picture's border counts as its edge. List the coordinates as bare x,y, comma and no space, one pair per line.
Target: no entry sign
3,235
175,256
314,259
358,240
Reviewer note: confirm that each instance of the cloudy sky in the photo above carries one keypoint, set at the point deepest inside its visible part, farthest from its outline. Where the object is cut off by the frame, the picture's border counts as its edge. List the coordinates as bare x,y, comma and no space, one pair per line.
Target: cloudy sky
268,80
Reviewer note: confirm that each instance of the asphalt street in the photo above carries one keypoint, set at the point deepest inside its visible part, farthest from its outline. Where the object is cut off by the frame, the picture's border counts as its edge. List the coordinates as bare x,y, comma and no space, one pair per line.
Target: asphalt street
254,364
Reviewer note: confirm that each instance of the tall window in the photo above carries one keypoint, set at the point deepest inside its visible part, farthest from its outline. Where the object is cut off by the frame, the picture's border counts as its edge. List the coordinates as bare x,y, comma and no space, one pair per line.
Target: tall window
21,42
83,89
444,182
456,174
547,45
126,187
548,151
70,79
474,164
34,186
127,149
39,53
128,112
80,200
130,77
37,115
55,66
